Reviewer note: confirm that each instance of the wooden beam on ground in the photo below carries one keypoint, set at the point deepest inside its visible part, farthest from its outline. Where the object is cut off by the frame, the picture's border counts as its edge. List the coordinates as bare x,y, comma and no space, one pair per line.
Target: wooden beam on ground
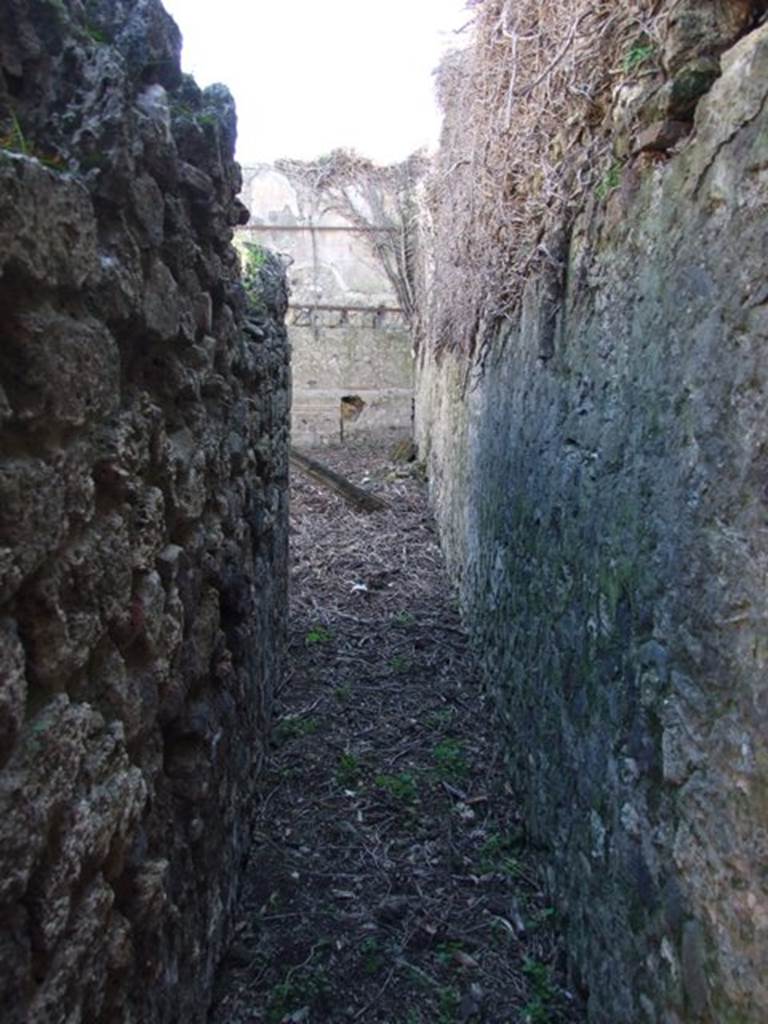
356,496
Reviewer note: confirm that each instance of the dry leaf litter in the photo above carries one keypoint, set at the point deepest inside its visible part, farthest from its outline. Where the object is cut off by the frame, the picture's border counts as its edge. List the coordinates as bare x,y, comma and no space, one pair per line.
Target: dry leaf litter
389,879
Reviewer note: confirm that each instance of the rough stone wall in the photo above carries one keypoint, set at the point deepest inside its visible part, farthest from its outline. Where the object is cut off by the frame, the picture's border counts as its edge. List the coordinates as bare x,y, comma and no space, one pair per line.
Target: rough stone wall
143,438
602,495
347,334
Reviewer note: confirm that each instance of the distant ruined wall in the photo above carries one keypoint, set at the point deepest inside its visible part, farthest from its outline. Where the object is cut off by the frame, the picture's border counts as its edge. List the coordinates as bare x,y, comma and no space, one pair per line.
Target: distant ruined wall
602,493
347,333
143,434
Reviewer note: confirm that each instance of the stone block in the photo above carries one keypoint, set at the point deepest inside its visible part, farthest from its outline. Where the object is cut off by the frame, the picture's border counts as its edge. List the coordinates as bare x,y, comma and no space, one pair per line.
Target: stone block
47,224
13,687
161,303
33,519
63,370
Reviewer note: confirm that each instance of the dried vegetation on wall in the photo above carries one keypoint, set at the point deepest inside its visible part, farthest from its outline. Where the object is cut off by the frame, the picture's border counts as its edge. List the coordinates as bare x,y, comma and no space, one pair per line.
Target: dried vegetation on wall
380,202
542,110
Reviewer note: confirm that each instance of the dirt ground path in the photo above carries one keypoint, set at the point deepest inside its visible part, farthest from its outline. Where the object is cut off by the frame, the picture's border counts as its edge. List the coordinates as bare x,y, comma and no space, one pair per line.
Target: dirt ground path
389,879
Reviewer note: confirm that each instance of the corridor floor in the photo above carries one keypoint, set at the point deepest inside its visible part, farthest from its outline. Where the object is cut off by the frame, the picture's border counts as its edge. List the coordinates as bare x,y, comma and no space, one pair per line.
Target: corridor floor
389,879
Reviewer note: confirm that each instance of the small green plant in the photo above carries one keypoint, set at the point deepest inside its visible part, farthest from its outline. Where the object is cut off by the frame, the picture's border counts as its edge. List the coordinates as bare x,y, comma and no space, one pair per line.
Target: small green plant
96,35
317,635
400,663
299,988
348,772
255,257
441,718
445,951
447,1005
372,955
181,109
292,728
538,1009
498,854
15,141
637,55
402,787
449,760
539,918
404,618
609,181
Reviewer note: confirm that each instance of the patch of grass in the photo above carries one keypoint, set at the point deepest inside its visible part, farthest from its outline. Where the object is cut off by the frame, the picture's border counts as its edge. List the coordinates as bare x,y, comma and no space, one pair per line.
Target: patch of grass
14,141
317,635
400,663
95,34
447,1005
292,728
609,181
498,854
539,1008
255,256
545,916
402,787
450,763
638,54
181,109
205,119
349,770
372,957
441,718
404,618
297,990
445,950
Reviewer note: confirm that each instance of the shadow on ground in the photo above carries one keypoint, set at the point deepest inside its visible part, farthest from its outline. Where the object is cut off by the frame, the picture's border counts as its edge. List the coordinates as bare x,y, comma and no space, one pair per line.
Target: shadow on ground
390,879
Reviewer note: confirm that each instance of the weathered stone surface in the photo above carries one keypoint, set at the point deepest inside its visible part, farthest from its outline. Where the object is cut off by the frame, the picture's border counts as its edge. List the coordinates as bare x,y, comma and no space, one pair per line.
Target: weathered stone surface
604,510
47,234
661,135
13,693
347,336
60,370
143,471
695,29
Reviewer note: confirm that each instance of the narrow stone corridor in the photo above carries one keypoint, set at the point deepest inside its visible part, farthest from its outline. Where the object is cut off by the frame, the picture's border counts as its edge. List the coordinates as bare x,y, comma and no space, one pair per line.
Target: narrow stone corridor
390,879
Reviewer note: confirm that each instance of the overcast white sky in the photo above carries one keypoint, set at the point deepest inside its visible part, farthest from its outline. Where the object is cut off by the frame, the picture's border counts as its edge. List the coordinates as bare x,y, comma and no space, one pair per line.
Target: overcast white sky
313,75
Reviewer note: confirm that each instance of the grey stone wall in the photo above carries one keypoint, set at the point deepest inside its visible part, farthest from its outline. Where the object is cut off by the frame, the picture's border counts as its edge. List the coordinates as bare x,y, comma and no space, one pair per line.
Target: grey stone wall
602,498
143,435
